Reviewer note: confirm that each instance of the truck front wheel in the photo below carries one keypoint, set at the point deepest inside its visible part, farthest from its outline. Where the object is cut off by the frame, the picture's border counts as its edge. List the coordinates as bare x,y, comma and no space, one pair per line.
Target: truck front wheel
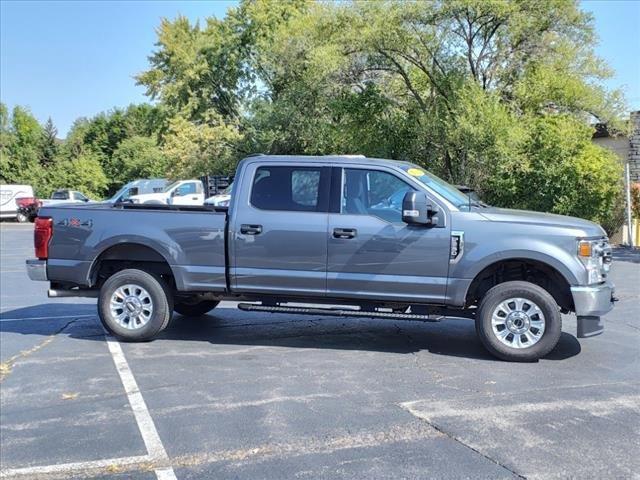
518,321
195,308
135,305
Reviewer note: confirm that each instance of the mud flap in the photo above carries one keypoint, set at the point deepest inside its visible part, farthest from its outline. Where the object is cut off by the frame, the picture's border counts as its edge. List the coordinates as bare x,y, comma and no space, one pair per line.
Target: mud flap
589,327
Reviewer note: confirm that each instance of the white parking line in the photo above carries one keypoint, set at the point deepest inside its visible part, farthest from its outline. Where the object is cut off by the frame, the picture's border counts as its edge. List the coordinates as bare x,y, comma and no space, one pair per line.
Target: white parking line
73,467
140,411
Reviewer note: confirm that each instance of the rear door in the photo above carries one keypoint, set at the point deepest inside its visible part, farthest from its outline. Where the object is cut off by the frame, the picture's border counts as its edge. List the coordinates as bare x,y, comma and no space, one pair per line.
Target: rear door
279,234
372,253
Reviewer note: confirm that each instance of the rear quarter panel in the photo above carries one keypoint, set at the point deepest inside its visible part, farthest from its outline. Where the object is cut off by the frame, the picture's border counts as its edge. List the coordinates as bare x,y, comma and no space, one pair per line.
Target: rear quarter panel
192,243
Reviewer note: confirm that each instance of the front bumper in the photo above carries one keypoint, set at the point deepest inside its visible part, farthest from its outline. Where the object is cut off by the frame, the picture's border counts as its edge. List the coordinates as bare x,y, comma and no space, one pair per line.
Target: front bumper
37,270
590,303
593,301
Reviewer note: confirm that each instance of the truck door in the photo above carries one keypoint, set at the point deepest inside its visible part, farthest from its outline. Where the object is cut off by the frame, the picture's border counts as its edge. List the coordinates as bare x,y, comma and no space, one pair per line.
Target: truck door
279,234
372,254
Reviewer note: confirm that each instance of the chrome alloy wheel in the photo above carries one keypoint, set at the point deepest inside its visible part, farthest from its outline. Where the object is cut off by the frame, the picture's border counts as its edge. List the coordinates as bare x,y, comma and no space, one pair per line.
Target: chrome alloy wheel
518,323
131,306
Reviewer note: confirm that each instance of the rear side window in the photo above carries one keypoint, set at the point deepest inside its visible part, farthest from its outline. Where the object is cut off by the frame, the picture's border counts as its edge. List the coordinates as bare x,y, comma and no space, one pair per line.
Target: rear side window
60,196
294,189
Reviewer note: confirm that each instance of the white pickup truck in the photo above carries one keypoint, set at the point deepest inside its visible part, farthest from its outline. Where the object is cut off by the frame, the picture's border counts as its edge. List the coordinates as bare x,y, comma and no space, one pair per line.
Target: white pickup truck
182,192
65,196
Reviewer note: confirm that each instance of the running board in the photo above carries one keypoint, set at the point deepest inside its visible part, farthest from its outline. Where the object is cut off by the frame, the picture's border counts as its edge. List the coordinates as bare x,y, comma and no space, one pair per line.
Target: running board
336,312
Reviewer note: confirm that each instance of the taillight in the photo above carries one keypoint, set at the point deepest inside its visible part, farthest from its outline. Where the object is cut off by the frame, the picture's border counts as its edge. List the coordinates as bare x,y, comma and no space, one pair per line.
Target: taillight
41,236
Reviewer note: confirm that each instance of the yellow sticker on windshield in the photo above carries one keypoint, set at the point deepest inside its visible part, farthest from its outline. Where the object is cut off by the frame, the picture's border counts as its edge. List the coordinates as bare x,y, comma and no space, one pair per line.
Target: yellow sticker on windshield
415,172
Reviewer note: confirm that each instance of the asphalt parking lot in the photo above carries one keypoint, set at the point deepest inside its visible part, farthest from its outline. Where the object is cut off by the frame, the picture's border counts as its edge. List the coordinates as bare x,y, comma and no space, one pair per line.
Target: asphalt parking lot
248,395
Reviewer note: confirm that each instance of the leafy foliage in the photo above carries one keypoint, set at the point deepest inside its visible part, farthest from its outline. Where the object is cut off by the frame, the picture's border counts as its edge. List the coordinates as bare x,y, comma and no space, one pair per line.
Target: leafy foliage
635,200
492,94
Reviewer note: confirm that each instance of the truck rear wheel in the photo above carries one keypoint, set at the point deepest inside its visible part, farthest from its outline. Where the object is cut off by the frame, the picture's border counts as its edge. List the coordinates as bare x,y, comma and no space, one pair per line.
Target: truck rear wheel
194,308
135,305
518,321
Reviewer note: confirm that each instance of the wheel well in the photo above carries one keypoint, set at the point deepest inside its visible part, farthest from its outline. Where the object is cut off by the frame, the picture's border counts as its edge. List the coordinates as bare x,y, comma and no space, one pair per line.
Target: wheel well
527,270
130,255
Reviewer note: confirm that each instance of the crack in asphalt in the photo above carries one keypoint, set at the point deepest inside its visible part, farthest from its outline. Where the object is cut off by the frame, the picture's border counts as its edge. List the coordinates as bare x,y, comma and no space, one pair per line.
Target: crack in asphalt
483,455
7,366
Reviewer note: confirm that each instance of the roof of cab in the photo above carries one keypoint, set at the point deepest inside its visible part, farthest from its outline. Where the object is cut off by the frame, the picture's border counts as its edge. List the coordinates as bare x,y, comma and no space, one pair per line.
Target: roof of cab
326,159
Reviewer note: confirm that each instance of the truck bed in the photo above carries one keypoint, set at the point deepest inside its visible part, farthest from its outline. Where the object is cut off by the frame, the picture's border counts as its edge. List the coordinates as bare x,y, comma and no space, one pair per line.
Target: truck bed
191,239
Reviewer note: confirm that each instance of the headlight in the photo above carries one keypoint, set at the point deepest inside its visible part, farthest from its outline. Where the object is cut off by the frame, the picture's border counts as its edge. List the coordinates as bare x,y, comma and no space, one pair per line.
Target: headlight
595,255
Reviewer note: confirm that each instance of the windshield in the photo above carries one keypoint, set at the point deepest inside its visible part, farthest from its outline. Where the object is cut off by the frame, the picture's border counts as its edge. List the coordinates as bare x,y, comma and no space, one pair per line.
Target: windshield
228,190
115,197
446,190
170,187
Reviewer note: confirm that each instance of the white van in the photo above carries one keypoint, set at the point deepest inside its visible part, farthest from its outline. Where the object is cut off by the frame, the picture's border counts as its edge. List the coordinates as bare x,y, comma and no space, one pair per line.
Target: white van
8,196
138,187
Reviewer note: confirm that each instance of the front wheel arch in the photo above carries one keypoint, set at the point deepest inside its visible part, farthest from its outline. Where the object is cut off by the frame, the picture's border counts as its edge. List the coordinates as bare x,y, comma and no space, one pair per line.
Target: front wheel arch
521,269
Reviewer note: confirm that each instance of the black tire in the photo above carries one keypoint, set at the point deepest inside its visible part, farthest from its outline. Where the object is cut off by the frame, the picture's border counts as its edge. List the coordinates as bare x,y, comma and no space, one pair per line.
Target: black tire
528,291
195,309
160,296
22,218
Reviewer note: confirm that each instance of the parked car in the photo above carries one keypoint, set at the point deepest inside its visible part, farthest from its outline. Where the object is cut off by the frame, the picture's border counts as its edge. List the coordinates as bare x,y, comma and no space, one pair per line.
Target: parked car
138,187
182,192
317,230
65,196
9,195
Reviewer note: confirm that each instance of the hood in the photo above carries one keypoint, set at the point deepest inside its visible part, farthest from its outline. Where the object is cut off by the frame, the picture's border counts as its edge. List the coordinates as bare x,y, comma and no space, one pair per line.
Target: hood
589,229
143,197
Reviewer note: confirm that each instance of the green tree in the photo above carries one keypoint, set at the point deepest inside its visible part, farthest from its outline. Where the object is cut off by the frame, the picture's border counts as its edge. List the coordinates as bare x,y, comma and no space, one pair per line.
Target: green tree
21,141
102,135
49,143
138,157
198,149
83,173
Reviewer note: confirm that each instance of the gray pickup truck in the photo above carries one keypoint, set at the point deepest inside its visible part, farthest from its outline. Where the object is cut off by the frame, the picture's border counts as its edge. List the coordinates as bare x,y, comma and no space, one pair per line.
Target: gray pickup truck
333,235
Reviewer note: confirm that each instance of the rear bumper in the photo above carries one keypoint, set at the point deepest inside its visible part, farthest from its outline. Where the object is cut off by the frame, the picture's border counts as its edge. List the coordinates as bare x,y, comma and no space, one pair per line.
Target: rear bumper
593,301
37,270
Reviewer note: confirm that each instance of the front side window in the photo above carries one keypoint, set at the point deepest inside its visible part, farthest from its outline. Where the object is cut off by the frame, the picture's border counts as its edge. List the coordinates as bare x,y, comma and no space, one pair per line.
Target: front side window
294,189
373,192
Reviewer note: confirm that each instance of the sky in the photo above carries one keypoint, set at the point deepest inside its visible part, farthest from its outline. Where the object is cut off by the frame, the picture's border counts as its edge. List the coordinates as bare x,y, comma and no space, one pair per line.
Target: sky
73,59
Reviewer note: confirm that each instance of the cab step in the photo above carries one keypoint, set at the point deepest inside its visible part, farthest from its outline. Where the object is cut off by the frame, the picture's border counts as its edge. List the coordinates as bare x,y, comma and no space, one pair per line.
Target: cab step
337,312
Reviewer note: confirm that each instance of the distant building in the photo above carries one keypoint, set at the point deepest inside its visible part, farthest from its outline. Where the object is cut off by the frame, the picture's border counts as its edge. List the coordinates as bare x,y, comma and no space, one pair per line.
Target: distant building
626,147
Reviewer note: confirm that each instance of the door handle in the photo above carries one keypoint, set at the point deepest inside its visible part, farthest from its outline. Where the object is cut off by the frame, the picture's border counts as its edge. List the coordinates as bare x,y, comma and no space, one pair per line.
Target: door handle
194,198
344,233
250,229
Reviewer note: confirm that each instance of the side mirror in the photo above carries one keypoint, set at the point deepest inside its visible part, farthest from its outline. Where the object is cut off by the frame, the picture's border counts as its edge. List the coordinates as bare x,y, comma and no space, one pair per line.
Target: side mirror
175,193
416,210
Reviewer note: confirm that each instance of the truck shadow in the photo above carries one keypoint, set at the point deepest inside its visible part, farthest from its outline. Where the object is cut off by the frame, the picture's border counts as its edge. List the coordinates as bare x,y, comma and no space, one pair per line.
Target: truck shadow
227,326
